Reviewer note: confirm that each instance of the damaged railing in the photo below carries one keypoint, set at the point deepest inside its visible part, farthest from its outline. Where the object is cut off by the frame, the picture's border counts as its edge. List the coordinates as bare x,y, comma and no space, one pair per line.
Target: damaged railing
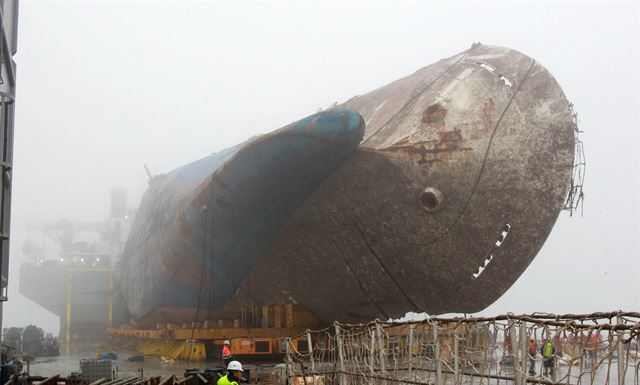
575,196
598,348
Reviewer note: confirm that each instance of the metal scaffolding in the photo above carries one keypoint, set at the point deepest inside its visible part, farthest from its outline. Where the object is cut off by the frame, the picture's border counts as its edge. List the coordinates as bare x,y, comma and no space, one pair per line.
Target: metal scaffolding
8,48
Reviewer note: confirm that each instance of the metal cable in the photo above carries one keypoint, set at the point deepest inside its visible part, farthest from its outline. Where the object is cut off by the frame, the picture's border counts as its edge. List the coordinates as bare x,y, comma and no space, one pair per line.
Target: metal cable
482,167
202,267
415,97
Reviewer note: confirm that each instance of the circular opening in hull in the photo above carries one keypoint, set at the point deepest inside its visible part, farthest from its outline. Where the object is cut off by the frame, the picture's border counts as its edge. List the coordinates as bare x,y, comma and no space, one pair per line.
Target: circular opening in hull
430,199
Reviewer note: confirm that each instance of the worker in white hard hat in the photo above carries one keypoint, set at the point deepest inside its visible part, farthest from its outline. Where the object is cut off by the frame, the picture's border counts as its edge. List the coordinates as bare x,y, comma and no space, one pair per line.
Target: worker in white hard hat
234,374
227,357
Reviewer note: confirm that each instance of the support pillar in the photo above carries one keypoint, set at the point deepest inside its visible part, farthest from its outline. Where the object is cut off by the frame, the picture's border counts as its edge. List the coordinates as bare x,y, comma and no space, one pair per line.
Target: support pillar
621,356
514,352
342,376
436,352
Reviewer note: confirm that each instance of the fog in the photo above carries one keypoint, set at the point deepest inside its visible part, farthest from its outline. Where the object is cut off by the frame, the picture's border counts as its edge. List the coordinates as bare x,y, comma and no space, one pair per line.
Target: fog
106,87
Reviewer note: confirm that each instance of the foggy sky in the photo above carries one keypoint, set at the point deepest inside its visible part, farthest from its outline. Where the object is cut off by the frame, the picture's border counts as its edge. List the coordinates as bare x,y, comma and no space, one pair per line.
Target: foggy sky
105,87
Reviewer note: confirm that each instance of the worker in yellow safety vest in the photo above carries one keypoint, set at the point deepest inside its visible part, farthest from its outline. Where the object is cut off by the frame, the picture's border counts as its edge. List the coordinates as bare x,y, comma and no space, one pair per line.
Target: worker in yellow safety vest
234,374
548,352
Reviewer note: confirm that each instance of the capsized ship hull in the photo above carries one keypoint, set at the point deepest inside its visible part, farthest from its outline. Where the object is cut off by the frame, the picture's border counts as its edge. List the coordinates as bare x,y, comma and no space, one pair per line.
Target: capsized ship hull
201,227
460,175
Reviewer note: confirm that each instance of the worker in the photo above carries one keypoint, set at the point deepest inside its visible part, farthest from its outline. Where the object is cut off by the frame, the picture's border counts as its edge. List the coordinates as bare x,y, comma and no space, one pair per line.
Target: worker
234,374
548,352
227,357
532,357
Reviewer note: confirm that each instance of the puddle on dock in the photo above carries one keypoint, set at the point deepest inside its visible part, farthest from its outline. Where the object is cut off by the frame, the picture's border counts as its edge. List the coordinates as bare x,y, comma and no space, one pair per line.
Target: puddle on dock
151,366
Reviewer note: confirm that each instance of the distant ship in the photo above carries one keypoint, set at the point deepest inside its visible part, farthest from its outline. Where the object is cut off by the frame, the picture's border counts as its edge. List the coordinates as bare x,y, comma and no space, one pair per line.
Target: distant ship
432,193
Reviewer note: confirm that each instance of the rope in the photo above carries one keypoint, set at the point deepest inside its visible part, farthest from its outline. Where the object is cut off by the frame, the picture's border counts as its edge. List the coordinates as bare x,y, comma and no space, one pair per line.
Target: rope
468,351
202,267
211,281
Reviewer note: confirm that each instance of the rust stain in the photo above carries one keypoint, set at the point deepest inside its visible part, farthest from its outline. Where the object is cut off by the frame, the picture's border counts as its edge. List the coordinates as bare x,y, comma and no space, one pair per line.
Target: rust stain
426,152
451,136
488,111
434,114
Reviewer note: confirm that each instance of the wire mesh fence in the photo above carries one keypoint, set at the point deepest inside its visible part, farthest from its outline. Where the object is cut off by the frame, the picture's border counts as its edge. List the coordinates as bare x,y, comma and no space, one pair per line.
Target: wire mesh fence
587,349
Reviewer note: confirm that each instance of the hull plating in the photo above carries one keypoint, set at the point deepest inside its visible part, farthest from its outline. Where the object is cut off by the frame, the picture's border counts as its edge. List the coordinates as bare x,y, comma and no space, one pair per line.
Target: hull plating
461,173
201,227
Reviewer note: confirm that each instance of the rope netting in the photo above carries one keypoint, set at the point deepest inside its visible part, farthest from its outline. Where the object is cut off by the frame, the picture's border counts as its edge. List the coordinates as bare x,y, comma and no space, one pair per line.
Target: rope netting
598,348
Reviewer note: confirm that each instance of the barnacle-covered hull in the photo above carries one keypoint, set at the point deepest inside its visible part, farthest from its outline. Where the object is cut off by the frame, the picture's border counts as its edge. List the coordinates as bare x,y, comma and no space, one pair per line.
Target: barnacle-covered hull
441,190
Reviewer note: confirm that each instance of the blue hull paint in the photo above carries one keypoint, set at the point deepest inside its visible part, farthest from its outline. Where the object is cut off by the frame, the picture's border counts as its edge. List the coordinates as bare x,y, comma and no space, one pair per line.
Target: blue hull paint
217,214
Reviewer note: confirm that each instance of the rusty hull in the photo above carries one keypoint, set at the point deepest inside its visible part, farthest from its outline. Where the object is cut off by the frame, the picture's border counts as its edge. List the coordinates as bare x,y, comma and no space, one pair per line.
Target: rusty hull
461,173
459,180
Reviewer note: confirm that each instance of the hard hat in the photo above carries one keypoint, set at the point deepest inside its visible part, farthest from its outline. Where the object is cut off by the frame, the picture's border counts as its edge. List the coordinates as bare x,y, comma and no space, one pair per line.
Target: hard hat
227,342
235,366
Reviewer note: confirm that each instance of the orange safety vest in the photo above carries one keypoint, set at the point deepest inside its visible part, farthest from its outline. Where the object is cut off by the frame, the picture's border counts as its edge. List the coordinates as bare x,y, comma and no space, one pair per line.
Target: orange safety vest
226,352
